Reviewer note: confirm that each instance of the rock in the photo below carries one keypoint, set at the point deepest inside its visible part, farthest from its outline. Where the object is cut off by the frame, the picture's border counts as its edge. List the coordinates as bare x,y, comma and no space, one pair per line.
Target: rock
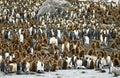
83,72
116,71
52,5
102,71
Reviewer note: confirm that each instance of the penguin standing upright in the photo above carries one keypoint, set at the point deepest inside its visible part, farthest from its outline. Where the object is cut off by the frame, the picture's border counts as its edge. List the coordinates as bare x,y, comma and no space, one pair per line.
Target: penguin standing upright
3,66
84,60
98,64
19,67
40,67
78,63
111,67
24,66
27,67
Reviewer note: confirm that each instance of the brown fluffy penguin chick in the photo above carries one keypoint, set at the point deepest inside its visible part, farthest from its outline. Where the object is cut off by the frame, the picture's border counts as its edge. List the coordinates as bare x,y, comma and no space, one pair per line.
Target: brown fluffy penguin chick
98,44
73,51
64,64
91,64
65,53
116,62
33,66
81,54
90,51
113,45
52,49
60,64
93,45
53,65
56,56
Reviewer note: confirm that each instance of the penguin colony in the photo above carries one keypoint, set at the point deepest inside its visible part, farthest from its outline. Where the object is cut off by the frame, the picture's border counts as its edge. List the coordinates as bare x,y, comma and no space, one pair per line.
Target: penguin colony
85,37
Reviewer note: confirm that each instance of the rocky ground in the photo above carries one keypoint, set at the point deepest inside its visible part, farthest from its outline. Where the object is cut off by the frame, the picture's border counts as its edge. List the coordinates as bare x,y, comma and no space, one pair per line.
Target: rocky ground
66,74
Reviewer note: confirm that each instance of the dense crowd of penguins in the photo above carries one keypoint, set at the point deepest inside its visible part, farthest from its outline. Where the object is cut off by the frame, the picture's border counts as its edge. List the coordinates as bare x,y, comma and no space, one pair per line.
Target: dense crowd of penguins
83,37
